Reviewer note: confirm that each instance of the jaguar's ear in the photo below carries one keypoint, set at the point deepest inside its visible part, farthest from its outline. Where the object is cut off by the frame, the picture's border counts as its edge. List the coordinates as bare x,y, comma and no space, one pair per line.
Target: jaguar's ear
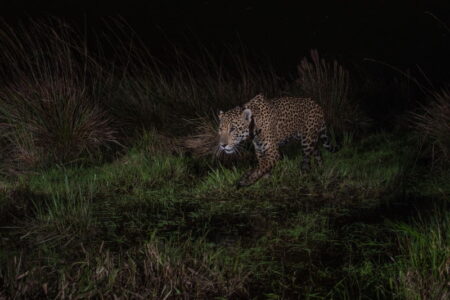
247,114
260,96
220,114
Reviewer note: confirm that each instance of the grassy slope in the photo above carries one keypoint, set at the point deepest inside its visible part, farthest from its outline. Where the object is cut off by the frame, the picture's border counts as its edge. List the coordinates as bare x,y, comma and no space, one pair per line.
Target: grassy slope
368,224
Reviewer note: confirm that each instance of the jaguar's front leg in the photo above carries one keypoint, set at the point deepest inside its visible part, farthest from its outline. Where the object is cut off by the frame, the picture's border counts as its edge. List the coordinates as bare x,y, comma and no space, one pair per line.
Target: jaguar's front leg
243,180
266,161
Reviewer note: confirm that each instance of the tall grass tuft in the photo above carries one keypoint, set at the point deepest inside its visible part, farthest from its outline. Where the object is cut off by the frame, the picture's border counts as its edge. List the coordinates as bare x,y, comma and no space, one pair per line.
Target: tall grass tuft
328,83
423,269
49,110
205,140
433,127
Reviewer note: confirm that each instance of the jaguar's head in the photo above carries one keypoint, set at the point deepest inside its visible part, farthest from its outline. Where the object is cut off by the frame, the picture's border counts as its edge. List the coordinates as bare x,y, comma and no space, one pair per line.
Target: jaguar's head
235,126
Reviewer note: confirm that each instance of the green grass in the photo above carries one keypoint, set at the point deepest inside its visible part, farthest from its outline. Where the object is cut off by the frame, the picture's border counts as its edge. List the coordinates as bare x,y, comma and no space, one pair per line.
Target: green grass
423,268
163,225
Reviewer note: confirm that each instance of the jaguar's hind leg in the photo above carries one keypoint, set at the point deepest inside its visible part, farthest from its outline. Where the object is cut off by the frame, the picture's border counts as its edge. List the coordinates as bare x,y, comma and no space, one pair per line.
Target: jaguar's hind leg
307,151
309,147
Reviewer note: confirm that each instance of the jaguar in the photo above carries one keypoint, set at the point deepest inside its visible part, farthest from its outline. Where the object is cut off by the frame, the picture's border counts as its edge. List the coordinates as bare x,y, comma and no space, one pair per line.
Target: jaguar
270,123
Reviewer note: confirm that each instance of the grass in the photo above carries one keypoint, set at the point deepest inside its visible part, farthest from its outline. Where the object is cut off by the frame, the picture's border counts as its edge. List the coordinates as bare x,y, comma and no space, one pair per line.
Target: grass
432,125
329,84
66,103
158,225
49,113
424,266
83,218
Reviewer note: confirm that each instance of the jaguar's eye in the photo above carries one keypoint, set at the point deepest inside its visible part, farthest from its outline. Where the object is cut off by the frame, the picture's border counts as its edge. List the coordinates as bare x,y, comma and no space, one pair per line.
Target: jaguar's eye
232,129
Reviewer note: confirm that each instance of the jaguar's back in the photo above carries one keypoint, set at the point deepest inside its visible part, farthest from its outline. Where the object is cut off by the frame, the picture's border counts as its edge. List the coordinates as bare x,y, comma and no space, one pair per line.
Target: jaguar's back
296,117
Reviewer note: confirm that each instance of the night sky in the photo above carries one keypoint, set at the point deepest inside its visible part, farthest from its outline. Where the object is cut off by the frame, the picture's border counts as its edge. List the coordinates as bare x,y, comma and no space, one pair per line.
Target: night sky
401,33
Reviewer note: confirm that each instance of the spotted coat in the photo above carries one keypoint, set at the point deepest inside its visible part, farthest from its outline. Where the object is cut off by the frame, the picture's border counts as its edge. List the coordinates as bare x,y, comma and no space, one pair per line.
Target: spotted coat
270,123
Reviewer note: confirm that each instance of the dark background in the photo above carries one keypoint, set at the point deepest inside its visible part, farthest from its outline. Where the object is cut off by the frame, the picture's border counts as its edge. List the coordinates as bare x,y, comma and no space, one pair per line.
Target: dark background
400,33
